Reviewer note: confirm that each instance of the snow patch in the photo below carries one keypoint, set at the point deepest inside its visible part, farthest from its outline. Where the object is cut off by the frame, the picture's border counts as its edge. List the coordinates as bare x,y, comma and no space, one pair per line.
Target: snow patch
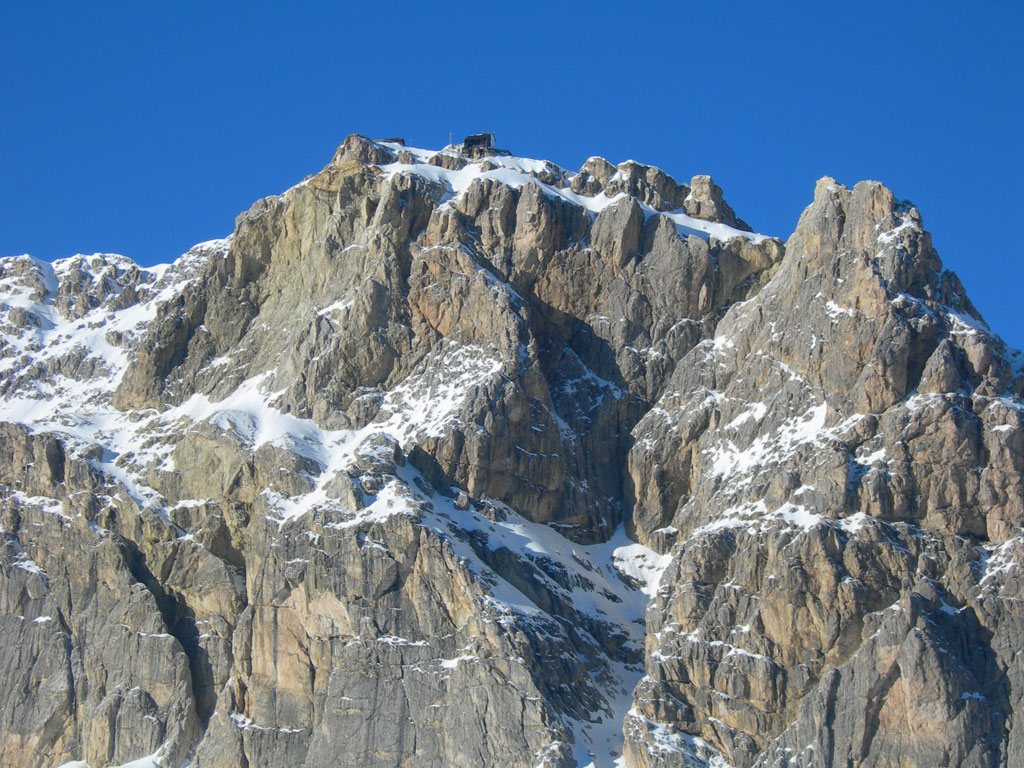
727,460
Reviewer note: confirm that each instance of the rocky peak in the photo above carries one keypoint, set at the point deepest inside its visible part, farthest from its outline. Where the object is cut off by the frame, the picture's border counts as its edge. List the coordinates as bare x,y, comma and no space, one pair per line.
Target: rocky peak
705,201
452,458
856,398
360,150
593,177
648,184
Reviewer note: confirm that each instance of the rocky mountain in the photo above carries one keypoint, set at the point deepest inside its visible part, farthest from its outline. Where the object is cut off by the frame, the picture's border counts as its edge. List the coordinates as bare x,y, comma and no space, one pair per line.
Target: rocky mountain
461,459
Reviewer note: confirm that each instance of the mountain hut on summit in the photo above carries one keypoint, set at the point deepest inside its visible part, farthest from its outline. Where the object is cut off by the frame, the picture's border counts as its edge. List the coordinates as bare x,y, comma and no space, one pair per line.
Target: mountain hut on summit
478,145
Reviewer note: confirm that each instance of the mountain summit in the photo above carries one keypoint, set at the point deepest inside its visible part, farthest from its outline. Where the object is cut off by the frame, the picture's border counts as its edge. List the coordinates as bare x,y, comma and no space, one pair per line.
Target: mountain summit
457,458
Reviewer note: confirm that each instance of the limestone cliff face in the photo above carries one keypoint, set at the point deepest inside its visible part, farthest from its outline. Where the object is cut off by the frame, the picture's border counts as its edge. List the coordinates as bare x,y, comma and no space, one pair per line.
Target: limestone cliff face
834,473
388,476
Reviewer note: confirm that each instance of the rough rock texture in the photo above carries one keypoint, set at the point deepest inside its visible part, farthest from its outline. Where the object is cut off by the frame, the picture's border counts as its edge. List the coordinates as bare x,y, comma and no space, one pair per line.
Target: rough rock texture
355,485
834,472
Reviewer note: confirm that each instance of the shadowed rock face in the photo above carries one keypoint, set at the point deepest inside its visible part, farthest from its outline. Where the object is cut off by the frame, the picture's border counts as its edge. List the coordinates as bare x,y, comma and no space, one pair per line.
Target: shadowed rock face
353,485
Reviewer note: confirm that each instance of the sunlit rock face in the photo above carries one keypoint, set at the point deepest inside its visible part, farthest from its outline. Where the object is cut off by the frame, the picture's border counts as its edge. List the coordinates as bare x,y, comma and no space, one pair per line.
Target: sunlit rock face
462,459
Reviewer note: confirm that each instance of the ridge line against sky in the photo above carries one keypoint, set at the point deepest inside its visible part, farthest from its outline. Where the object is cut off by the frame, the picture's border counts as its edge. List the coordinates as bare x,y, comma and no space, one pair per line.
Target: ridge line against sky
144,129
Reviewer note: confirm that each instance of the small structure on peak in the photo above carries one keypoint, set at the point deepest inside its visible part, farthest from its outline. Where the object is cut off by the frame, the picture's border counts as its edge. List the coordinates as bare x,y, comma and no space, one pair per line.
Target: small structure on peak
478,142
479,145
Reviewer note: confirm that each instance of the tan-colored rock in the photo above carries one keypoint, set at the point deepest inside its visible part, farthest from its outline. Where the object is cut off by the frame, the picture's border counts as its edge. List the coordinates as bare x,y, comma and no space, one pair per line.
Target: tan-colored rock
345,488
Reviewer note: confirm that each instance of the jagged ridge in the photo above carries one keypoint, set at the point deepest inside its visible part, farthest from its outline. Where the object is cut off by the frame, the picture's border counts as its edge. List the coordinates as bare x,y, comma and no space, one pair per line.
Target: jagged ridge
330,471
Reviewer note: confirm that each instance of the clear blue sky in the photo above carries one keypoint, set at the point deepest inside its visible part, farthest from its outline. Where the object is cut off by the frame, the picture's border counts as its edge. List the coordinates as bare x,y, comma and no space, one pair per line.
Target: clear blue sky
141,128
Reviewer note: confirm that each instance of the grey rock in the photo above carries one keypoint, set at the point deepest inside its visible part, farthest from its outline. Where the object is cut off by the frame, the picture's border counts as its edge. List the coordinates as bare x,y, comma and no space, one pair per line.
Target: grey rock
346,487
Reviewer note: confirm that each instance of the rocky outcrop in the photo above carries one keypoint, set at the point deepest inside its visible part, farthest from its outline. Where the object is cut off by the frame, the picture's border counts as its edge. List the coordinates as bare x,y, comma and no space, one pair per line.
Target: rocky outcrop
705,201
355,485
831,482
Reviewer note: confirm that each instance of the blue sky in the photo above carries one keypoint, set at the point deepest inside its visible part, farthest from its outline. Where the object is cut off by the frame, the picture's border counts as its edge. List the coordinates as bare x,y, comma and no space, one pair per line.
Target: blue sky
143,128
